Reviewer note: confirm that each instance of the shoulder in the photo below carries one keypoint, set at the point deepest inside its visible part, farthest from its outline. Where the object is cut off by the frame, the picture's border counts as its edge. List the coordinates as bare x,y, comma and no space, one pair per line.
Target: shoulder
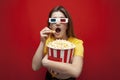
79,48
75,40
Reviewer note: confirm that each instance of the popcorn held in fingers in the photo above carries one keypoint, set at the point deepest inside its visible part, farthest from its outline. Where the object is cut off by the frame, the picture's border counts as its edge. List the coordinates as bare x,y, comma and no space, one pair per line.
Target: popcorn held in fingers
53,31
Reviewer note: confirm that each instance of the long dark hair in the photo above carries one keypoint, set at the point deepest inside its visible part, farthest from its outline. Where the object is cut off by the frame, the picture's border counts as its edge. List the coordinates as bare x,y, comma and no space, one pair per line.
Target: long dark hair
70,31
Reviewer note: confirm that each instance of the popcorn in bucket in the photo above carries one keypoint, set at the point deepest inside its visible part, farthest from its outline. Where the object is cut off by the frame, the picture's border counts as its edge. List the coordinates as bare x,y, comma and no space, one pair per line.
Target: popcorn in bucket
61,51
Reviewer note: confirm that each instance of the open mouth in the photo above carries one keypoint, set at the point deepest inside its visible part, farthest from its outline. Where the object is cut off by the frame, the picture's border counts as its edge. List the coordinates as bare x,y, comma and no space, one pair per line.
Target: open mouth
57,30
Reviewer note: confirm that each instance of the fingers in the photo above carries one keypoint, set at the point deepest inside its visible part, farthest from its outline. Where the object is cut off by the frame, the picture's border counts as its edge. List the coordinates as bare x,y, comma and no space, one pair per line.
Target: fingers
46,30
53,73
44,33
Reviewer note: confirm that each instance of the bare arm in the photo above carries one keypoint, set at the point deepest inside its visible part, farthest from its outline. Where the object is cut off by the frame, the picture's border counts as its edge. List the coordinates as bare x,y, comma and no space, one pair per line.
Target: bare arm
36,61
73,69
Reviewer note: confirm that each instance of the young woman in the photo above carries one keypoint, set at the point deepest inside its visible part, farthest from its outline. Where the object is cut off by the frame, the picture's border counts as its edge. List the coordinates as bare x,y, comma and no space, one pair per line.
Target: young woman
59,27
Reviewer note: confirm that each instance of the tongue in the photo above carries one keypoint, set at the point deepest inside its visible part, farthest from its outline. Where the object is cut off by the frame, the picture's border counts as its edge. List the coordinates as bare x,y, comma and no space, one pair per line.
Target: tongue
58,30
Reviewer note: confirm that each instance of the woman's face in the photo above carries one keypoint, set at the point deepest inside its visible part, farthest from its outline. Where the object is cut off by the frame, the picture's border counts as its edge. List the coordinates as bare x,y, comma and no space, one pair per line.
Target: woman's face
59,27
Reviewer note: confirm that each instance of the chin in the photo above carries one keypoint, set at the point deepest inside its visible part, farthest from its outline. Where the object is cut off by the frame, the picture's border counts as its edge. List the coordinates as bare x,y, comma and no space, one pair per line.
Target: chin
58,37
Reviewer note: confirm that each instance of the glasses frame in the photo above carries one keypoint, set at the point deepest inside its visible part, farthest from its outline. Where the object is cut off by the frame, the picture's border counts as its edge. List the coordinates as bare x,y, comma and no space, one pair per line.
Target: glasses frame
58,20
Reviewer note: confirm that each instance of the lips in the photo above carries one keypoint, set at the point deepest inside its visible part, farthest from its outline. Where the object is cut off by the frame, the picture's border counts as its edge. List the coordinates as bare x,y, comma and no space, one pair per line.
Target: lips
57,30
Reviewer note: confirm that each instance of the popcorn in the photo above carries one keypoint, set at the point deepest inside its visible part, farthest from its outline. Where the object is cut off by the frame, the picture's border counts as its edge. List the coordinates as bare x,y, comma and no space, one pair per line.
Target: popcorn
60,50
61,44
52,31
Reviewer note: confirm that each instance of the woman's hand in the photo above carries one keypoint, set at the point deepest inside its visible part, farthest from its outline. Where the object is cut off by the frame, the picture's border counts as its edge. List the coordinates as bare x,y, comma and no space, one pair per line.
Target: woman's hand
45,62
44,33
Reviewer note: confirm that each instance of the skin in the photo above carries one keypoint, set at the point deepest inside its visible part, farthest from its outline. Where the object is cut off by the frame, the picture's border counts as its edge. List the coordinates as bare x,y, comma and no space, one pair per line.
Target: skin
62,26
65,70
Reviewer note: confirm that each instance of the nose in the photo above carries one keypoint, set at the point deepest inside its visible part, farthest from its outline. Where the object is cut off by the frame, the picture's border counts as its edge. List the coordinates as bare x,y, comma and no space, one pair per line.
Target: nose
58,22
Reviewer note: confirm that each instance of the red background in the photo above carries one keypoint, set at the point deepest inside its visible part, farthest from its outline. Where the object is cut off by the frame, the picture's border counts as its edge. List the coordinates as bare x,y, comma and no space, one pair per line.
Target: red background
96,22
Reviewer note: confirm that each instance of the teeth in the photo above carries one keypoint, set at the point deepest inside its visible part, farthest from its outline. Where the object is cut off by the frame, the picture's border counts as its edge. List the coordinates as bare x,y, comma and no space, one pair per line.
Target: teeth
57,30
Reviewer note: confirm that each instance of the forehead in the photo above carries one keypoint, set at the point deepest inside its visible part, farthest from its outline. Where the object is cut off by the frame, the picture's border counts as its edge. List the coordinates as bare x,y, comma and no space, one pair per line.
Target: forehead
58,14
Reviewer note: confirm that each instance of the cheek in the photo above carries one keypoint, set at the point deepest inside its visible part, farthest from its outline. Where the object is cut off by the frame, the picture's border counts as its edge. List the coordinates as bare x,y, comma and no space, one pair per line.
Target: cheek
51,26
64,27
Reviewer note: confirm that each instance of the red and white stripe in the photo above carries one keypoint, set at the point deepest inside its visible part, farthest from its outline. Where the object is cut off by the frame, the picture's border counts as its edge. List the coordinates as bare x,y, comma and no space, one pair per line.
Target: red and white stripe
60,55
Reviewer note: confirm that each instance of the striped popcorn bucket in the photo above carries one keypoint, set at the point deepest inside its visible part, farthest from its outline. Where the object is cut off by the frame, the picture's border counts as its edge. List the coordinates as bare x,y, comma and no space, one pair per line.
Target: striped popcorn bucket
60,55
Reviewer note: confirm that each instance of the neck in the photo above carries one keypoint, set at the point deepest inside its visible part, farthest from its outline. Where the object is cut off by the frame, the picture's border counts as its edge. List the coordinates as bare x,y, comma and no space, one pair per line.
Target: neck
64,38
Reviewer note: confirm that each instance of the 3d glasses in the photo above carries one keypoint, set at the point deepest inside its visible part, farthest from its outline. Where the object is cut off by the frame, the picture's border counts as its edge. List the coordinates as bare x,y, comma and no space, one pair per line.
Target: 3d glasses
55,20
